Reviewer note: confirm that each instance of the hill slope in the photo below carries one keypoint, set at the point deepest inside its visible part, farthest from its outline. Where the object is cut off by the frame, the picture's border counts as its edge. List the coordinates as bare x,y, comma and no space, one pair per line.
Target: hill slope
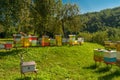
56,63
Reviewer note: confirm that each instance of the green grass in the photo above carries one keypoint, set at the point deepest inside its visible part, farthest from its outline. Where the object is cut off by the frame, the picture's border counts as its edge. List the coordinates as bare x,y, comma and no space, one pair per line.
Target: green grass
57,63
6,40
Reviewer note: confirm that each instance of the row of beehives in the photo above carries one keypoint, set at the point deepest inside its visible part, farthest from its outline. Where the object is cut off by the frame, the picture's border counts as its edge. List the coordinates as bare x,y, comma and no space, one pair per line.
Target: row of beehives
6,45
111,45
107,56
26,41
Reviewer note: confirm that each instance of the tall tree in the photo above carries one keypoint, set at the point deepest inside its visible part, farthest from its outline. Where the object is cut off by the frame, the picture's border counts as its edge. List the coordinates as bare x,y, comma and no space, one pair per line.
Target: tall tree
68,14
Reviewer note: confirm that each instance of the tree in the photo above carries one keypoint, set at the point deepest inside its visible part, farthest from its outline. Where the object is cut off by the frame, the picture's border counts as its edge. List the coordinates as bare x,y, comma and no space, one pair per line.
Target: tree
68,15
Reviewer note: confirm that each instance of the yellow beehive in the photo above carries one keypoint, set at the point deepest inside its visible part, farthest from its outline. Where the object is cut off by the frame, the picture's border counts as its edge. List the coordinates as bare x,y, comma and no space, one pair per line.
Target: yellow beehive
112,45
25,41
71,39
118,46
58,40
107,44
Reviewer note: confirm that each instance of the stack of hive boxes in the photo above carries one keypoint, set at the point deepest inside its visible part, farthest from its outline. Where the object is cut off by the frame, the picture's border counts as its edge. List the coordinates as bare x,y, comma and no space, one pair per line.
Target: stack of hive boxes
71,39
118,53
45,41
2,46
98,55
33,40
25,41
17,40
58,40
8,45
110,56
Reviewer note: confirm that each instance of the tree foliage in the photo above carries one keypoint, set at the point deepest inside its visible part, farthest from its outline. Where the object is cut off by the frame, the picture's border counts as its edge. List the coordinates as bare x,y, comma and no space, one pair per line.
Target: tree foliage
41,17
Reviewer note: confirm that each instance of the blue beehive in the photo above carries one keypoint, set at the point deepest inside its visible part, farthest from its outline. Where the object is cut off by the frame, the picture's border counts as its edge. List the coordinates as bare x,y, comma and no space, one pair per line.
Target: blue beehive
110,57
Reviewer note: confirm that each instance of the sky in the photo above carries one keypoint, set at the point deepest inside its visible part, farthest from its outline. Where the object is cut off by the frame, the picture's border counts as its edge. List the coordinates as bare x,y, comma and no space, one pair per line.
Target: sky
94,5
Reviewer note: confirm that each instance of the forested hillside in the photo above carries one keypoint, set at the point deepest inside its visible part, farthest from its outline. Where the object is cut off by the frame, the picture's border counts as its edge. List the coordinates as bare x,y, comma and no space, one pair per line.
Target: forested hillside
101,26
96,21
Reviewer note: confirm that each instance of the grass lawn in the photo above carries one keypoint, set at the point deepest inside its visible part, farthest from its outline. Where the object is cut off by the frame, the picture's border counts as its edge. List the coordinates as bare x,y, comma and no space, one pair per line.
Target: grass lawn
57,63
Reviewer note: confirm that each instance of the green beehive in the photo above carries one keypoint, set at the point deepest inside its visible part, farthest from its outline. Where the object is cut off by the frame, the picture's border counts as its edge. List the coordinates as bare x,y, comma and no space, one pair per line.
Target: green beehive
33,40
98,54
17,40
52,42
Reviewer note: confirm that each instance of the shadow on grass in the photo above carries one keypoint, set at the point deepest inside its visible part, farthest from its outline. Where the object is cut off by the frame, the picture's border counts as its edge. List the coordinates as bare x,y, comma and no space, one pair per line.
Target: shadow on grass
27,78
93,66
103,70
10,52
110,76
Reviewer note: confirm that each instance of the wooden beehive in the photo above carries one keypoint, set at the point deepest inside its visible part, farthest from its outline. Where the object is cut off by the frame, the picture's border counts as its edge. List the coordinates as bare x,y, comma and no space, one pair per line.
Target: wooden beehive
58,40
64,41
45,41
110,57
2,46
71,39
28,67
25,41
33,40
107,44
52,42
118,46
17,40
8,45
98,55
80,40
118,58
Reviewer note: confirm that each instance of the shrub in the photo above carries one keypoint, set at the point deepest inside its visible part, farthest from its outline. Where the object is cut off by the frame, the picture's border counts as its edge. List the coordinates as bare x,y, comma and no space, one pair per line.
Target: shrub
86,35
100,37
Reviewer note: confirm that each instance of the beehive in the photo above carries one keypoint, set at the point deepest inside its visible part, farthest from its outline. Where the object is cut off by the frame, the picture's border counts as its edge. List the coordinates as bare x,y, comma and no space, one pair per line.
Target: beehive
25,41
28,67
58,40
71,39
45,41
52,42
2,46
118,58
118,46
8,45
33,40
64,41
80,40
98,55
17,40
110,57
107,44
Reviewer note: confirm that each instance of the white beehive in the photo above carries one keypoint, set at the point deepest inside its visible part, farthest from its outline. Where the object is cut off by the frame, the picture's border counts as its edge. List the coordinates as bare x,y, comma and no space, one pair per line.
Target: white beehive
110,54
2,46
28,67
110,57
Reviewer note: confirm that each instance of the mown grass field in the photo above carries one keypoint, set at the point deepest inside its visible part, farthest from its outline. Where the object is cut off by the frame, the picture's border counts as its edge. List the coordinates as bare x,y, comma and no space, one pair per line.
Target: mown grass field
57,63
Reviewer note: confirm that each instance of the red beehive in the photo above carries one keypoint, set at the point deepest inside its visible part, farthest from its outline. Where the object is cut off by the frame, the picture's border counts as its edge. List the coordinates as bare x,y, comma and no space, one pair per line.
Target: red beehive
45,41
8,45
